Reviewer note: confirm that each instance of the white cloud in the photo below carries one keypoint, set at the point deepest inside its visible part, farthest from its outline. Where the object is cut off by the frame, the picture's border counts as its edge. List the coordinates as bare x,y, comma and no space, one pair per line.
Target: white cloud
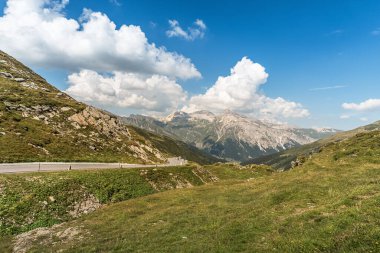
155,93
191,33
328,88
201,24
368,105
240,92
363,119
38,33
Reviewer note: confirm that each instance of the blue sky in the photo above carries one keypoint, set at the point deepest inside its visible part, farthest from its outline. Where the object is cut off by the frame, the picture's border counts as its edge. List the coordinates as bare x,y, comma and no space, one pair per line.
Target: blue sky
305,46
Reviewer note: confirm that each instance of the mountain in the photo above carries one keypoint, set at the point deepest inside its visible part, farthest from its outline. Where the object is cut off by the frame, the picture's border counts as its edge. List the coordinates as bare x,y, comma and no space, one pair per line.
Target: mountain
289,158
40,123
229,135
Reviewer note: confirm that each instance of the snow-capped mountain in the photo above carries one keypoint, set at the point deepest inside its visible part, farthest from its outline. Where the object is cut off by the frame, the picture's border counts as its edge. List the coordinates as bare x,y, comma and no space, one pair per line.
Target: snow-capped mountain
229,135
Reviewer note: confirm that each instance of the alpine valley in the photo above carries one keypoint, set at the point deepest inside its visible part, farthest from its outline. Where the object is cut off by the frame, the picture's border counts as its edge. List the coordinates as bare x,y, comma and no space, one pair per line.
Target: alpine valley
178,126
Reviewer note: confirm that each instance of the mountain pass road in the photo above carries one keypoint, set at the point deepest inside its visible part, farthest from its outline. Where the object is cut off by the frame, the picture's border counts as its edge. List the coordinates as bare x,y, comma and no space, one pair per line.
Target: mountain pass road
57,166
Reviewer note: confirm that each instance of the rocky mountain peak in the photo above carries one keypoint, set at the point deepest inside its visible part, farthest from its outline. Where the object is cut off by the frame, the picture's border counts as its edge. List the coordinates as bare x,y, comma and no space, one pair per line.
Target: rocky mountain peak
229,112
176,116
203,115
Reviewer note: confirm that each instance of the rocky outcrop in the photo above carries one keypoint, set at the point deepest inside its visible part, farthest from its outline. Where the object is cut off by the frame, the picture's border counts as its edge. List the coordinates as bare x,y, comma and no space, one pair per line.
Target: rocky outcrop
105,123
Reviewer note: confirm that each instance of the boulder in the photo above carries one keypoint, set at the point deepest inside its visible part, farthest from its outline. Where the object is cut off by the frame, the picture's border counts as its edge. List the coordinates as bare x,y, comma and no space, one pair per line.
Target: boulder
19,79
6,74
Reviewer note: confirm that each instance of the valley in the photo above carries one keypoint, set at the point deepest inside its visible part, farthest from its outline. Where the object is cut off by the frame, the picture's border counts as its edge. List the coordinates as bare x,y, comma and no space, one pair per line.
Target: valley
77,178
329,204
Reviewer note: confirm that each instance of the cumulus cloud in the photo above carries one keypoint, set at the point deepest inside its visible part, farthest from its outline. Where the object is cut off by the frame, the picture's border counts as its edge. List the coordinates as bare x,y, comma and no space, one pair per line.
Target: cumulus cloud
191,33
39,33
155,93
368,105
240,92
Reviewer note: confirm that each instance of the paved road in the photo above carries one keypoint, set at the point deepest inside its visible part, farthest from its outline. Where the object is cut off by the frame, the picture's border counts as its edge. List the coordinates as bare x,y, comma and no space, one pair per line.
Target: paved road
47,166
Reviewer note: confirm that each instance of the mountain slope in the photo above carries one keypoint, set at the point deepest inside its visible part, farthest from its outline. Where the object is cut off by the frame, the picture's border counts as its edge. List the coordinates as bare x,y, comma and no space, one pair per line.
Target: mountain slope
40,123
286,159
69,195
328,204
229,135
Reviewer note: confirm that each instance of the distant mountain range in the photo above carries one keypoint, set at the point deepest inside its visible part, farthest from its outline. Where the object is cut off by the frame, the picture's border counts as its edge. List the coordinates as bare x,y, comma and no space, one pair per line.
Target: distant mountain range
230,136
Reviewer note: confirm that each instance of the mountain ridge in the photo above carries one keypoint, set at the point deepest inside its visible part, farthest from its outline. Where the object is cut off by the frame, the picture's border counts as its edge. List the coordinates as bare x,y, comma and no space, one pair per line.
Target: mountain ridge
229,135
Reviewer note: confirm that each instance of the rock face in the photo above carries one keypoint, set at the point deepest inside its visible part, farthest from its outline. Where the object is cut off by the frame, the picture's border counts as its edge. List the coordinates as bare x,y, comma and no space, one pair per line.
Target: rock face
40,123
105,123
229,135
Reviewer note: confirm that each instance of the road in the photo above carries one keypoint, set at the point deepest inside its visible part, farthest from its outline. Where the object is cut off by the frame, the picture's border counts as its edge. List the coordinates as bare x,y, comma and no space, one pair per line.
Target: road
50,166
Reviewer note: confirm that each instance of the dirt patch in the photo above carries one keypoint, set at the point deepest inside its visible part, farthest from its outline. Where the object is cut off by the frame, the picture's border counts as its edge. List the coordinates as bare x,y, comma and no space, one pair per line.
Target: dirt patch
47,236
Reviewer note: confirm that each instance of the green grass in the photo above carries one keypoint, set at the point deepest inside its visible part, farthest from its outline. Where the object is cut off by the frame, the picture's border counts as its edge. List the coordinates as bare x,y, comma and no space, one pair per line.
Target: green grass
25,201
329,204
229,171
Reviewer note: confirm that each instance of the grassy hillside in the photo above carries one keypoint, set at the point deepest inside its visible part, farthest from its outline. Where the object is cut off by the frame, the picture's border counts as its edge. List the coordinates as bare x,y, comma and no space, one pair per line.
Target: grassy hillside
32,200
328,204
283,160
40,123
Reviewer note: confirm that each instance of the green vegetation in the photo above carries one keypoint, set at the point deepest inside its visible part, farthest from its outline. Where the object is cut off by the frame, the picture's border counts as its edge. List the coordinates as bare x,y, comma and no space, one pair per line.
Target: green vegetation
328,204
32,200
230,171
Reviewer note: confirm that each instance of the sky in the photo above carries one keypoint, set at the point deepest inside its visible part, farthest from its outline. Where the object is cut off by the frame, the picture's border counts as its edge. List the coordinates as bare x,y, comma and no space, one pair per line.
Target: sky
307,63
